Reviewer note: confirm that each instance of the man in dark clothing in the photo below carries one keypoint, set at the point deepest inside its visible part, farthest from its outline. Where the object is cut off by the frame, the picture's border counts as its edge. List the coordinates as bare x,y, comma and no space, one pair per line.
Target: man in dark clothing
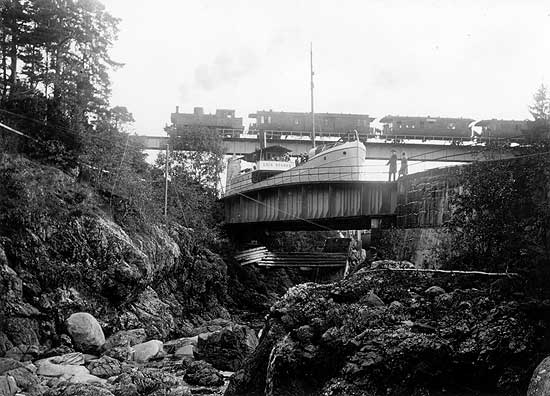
404,170
393,166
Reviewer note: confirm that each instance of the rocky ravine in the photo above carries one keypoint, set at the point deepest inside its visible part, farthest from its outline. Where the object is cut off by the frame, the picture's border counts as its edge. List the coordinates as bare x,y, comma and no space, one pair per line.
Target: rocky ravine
64,250
126,364
394,333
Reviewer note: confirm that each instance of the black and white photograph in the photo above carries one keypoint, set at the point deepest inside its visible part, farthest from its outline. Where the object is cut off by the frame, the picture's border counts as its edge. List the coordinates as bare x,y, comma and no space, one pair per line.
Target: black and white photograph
274,198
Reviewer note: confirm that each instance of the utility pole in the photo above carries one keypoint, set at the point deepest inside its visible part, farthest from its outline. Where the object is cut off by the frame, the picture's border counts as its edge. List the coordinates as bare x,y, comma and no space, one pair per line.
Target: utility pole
312,112
166,185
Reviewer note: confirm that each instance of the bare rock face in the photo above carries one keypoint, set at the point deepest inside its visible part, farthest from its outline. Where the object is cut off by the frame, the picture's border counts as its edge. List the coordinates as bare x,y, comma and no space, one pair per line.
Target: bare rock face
148,381
121,353
24,377
23,353
8,387
202,373
227,348
327,340
540,381
125,338
5,343
85,331
150,313
105,367
67,389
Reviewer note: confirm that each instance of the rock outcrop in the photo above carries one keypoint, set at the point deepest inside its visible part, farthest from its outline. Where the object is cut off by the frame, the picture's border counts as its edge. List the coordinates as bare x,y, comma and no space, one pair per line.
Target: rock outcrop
226,349
540,381
329,340
62,254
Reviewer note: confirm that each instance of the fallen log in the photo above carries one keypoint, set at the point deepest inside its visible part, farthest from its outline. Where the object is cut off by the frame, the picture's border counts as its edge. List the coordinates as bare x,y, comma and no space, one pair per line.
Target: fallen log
445,271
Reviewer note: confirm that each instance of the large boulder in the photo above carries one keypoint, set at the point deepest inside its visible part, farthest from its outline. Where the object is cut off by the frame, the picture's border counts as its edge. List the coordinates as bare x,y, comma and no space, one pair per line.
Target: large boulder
47,368
148,350
540,381
227,348
85,331
434,291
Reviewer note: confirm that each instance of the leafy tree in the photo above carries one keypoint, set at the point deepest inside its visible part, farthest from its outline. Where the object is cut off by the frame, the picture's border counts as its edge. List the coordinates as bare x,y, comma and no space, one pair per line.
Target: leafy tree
199,151
121,117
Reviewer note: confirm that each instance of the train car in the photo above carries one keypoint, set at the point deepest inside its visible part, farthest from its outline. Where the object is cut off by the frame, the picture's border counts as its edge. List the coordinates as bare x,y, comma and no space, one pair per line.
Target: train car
222,119
500,129
301,122
425,127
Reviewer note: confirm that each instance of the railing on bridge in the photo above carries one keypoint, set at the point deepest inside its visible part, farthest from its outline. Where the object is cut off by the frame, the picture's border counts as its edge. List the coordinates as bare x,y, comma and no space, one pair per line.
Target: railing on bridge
272,134
297,176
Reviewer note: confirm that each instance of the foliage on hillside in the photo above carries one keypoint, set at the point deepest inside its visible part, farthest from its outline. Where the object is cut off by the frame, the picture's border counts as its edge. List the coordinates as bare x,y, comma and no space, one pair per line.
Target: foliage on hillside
61,243
501,218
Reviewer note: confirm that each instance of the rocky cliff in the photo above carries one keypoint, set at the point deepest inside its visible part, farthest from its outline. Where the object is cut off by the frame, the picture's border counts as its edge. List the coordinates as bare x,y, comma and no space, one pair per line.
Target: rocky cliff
388,332
66,248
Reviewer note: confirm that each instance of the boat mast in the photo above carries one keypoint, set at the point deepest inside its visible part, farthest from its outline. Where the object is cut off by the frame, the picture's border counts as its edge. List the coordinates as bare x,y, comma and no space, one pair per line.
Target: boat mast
312,112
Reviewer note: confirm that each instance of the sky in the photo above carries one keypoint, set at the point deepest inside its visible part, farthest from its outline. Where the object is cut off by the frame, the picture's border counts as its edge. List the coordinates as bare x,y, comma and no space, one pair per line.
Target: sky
475,59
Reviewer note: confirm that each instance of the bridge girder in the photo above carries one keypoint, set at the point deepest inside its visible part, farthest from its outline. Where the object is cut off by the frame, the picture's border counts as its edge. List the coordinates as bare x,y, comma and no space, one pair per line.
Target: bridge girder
313,206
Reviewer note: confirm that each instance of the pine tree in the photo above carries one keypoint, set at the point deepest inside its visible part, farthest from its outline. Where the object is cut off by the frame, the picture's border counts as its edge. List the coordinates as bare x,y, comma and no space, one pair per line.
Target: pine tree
540,109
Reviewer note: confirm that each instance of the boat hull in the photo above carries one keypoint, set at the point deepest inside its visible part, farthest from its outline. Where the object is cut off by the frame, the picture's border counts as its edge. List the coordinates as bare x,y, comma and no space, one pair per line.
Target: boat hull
345,162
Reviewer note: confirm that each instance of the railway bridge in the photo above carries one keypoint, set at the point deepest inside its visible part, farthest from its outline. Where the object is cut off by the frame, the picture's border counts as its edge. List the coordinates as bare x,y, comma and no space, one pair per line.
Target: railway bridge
418,148
345,203
335,198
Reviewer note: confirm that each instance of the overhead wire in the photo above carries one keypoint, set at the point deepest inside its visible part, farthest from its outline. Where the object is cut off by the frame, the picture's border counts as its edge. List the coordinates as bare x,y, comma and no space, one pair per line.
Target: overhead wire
71,131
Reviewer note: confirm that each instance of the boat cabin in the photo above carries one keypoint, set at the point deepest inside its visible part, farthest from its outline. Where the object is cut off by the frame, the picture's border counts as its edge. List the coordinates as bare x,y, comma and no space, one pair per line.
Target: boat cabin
268,162
262,164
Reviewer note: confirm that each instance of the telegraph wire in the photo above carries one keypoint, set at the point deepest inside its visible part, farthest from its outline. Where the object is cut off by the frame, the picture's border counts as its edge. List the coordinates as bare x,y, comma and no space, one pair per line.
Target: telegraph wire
71,131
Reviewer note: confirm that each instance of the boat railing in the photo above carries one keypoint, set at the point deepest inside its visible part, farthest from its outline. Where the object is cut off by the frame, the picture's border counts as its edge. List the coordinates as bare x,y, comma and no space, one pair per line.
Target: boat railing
305,175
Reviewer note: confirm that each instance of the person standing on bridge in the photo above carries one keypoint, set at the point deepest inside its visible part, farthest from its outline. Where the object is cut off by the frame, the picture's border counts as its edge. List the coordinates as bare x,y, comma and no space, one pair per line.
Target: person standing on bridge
393,165
404,170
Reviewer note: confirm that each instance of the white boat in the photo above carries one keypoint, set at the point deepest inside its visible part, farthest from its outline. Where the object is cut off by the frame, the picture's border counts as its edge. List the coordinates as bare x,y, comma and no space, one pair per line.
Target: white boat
340,161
